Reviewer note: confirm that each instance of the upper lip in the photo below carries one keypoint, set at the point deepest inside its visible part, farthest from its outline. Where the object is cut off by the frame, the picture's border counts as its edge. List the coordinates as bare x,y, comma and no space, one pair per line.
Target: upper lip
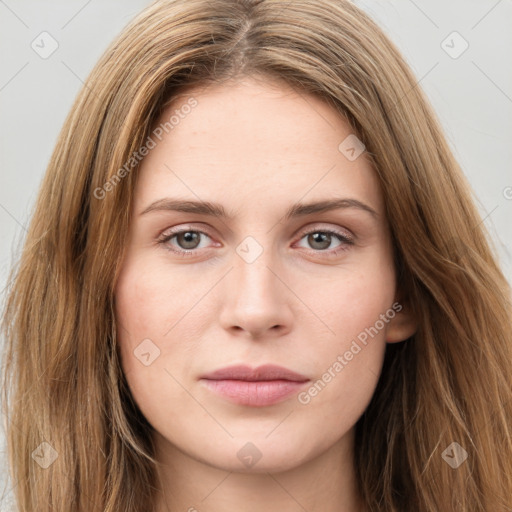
261,373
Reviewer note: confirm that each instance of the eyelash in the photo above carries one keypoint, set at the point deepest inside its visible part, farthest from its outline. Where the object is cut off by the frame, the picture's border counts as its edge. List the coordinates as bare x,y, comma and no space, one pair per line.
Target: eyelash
346,241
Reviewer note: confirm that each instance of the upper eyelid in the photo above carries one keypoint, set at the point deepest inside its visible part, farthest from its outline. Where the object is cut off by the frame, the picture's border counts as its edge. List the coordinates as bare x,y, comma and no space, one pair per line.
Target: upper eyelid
171,233
314,229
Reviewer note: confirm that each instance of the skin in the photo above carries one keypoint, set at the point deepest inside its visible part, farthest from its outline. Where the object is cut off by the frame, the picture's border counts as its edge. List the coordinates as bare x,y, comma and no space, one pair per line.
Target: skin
255,147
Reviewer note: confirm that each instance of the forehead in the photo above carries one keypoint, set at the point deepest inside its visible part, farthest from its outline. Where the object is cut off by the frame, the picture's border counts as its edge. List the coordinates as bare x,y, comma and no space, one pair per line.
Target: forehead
253,142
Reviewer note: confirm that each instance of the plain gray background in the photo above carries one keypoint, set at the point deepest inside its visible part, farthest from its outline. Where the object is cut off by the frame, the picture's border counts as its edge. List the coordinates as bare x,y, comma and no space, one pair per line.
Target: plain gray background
470,90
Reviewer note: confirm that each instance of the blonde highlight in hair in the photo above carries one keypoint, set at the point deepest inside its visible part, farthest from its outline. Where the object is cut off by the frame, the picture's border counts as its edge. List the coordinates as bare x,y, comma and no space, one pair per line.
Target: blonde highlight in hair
450,382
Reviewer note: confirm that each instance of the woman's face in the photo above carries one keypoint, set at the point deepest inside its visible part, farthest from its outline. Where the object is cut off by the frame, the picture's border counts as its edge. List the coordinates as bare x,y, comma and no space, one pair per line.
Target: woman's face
234,259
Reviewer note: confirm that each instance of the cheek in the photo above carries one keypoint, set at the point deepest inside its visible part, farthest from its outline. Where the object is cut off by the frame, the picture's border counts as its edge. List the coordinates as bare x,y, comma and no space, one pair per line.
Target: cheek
148,304
356,307
352,300
149,300
145,308
160,312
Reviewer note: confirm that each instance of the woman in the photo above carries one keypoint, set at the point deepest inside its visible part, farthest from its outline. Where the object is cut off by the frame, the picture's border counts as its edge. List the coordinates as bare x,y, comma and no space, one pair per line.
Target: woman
255,279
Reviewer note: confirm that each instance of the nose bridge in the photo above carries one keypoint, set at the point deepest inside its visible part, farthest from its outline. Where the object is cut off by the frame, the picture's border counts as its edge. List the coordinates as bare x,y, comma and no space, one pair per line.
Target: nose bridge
252,277
255,299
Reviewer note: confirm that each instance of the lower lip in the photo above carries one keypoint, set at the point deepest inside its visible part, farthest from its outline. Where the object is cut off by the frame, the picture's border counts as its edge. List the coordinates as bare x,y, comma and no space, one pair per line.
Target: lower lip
254,393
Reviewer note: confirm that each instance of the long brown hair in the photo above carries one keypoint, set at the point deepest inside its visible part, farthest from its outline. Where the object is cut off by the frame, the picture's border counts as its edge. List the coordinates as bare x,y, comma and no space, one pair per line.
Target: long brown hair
449,383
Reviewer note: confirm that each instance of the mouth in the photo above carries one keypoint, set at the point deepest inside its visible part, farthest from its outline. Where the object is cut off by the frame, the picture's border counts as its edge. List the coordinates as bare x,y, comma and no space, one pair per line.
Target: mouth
258,387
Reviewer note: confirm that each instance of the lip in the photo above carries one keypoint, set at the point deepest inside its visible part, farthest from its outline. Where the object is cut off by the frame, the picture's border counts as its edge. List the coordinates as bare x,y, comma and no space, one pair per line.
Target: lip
264,372
256,387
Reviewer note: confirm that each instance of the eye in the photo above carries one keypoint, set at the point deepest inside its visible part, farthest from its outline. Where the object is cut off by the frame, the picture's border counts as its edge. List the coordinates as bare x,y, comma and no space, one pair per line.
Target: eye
183,241
321,239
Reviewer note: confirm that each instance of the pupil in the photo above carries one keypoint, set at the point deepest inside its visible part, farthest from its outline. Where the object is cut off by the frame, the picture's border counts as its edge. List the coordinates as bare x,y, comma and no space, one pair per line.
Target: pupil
188,238
321,238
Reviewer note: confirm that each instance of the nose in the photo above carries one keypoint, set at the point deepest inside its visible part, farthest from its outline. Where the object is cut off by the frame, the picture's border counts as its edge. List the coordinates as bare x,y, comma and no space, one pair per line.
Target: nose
256,300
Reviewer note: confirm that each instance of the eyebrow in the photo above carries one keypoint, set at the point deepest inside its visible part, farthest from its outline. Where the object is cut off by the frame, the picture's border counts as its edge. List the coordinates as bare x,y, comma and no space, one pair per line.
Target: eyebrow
296,210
